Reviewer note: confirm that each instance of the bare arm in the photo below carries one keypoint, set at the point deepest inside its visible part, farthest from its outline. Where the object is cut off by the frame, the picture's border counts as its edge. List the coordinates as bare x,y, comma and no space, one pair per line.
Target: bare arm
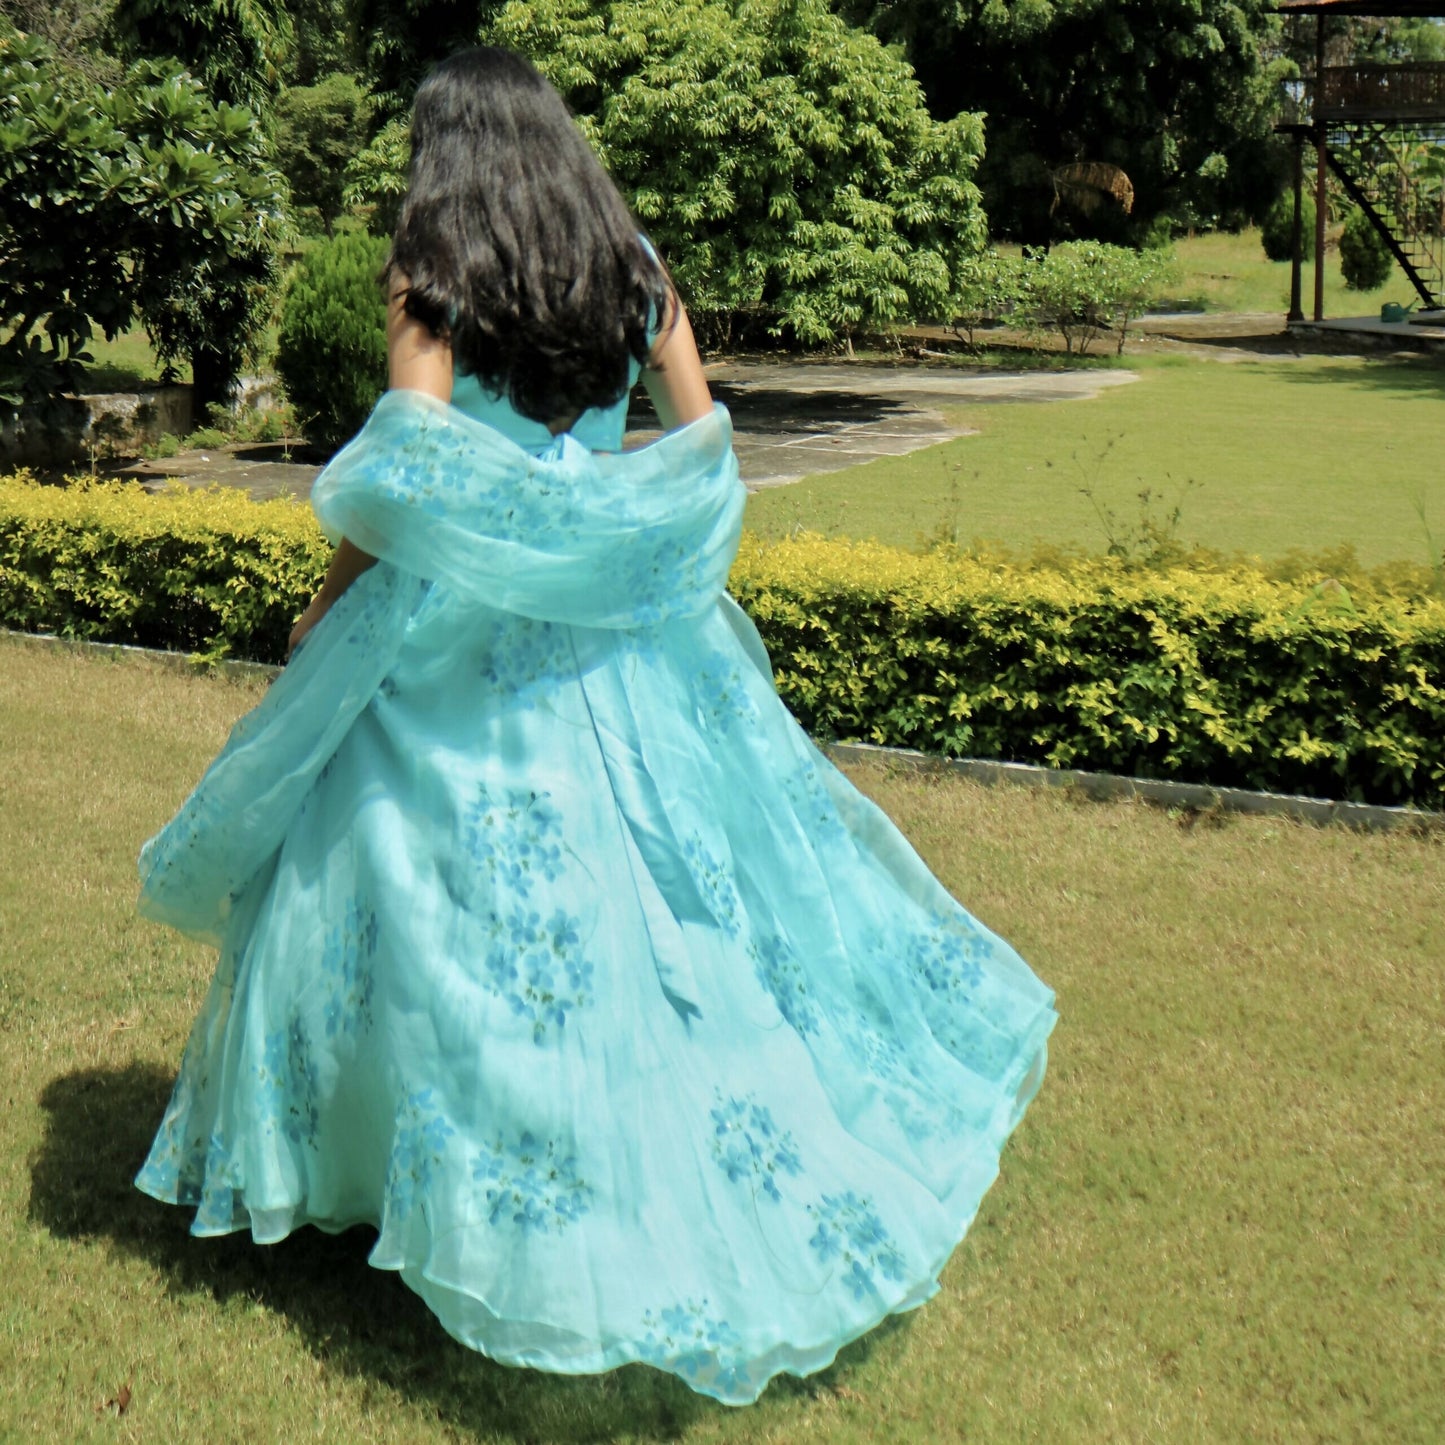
416,361
673,374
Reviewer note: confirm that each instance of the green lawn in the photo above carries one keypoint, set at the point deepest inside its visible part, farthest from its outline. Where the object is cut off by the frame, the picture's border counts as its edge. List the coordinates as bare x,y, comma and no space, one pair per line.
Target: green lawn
1224,272
1284,453
1221,1221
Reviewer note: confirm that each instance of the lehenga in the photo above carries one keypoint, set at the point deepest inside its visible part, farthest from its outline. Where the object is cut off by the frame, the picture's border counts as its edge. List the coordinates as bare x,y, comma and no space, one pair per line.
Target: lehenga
552,948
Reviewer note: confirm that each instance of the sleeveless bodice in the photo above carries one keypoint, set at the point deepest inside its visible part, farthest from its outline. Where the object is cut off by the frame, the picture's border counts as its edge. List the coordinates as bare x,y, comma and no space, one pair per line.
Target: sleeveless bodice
599,429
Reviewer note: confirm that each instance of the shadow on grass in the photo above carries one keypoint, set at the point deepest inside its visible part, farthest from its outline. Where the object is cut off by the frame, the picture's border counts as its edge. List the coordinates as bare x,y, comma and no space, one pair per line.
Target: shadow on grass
1422,376
363,1321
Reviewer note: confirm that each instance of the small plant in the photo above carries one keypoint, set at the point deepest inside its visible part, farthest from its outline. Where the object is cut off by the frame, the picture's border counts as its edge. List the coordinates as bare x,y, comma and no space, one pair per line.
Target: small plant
1149,539
206,438
165,446
1084,288
1365,259
1276,234
331,355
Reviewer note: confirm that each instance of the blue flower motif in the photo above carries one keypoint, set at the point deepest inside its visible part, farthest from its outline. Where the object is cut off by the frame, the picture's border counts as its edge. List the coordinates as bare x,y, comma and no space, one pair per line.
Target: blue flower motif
714,883
523,964
515,839
748,1145
850,1231
417,1146
289,1084
690,1341
720,695
346,955
781,974
534,1186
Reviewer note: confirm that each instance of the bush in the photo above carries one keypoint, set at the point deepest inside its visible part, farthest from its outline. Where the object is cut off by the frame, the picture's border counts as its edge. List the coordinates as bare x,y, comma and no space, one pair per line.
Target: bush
1277,233
1365,259
319,131
1226,677
331,354
1081,288
198,571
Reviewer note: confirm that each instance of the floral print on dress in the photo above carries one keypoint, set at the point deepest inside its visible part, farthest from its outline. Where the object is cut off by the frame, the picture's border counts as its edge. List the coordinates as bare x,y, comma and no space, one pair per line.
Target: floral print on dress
347,953
525,659
946,957
850,1232
537,966
817,813
690,1341
416,1152
516,838
714,884
781,974
219,1207
531,1184
721,696
176,1165
289,1084
749,1146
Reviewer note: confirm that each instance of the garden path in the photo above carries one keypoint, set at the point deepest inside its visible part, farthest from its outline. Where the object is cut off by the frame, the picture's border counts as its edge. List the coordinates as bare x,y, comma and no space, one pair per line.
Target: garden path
791,419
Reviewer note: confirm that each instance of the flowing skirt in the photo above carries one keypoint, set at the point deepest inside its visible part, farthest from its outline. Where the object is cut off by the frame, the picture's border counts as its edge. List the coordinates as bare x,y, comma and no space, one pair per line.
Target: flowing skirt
563,958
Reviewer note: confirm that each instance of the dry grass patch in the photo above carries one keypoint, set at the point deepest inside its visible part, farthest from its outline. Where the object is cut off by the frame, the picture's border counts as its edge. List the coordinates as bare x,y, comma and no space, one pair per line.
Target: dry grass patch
1221,1221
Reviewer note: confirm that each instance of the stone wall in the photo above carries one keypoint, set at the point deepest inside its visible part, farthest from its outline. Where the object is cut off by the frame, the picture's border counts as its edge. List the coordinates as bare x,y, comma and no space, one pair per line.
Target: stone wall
70,430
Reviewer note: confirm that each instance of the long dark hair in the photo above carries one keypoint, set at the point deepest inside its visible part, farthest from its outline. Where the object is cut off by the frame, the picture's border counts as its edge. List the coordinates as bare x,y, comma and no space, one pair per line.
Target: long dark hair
515,241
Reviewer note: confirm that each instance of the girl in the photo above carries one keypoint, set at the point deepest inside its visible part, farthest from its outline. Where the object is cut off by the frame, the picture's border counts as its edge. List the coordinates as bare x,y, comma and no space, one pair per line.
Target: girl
549,946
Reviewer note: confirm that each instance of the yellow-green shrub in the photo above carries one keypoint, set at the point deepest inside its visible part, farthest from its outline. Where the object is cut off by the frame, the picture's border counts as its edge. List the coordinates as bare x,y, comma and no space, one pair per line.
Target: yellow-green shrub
1228,677
210,572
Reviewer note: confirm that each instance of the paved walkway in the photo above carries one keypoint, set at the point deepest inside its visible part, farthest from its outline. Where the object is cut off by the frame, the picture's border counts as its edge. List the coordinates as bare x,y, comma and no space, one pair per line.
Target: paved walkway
790,420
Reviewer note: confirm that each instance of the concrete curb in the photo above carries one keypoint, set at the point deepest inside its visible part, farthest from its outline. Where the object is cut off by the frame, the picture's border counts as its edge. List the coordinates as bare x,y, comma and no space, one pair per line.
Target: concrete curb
1105,787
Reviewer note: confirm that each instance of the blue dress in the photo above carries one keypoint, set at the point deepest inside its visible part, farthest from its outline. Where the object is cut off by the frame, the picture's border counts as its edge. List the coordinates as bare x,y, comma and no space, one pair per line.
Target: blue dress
552,948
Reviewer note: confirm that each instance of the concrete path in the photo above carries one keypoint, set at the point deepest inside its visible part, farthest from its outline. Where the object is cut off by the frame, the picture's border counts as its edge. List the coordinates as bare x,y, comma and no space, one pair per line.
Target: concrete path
790,419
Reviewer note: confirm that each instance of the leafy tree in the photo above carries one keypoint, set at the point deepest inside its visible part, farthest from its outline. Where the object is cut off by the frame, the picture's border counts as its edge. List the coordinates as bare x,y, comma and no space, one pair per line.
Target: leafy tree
327,39
1082,288
237,49
139,200
785,163
318,131
1365,260
1276,233
1176,94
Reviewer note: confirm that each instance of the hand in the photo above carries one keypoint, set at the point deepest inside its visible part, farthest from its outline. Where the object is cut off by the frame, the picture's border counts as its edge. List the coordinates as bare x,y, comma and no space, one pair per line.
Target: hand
315,611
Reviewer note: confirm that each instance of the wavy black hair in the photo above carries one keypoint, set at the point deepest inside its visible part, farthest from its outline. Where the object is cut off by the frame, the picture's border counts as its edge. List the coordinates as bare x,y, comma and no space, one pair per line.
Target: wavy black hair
516,244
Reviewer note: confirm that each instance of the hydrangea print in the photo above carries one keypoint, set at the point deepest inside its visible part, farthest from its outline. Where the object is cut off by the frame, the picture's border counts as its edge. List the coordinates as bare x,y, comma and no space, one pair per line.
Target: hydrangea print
749,1146
850,1234
532,1185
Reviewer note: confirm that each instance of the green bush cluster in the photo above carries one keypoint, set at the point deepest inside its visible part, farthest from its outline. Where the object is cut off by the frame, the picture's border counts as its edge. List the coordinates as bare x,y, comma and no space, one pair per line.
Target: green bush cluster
1365,259
1224,676
331,353
1276,233
1230,678
208,572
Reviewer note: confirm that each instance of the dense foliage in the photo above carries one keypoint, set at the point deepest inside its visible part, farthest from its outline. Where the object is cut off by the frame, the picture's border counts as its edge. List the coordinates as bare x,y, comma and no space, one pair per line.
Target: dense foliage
319,129
1225,677
1365,260
331,355
139,201
237,49
1276,232
1083,288
785,164
1178,94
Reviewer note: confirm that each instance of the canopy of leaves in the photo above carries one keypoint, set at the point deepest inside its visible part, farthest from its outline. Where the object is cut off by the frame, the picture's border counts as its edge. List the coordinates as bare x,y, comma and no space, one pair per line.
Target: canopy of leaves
142,200
318,131
785,163
1178,94
237,49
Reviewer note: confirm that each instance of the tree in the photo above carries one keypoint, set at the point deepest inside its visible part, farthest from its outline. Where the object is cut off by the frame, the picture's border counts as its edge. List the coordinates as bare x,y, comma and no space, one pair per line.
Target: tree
237,49
139,200
1177,94
785,163
318,131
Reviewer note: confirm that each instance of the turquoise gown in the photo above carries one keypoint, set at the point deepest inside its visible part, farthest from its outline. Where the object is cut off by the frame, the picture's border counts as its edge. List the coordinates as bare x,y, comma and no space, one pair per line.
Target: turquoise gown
551,948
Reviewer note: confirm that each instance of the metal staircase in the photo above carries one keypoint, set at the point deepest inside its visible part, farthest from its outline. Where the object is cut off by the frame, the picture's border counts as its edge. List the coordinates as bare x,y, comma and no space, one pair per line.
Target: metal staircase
1371,161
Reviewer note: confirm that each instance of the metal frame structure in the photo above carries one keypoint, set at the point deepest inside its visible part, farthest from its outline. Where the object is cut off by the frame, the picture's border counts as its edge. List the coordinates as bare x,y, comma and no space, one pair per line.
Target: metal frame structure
1359,117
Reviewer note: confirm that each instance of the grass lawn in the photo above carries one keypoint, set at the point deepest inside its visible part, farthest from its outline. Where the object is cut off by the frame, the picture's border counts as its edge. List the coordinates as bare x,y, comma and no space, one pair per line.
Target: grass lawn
1224,272
1285,452
1221,1221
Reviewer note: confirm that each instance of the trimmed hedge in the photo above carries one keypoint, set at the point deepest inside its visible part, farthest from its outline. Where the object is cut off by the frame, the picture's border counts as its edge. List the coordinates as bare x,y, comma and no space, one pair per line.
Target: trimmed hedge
1226,677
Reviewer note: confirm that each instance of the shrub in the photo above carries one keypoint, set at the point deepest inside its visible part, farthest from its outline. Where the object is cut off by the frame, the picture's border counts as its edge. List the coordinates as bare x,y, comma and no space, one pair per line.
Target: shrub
1225,676
1365,259
319,131
331,354
1276,235
1081,288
